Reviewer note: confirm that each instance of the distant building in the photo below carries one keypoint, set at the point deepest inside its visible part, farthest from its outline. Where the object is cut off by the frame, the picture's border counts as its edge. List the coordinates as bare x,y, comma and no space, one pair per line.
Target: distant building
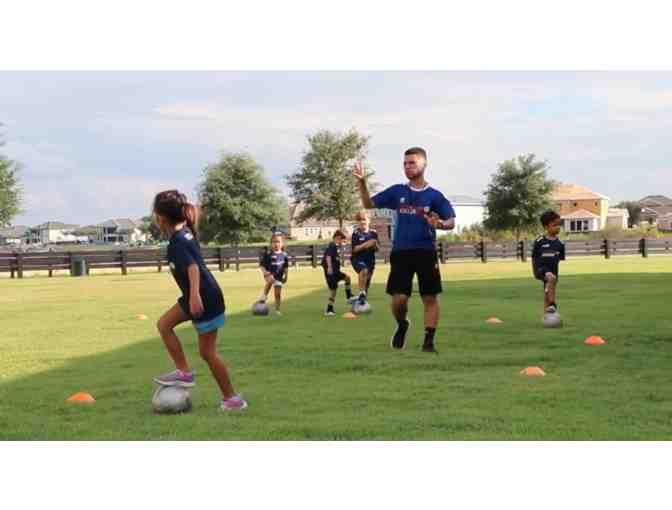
51,232
581,209
655,210
618,218
121,230
13,235
312,229
468,211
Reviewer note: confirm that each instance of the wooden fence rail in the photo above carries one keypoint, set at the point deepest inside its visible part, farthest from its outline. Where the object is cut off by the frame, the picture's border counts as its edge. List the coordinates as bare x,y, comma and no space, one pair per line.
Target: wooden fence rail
223,258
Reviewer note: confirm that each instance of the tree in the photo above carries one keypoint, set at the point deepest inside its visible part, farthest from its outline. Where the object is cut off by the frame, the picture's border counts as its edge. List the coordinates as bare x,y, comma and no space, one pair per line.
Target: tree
10,190
239,205
517,195
149,228
634,210
324,182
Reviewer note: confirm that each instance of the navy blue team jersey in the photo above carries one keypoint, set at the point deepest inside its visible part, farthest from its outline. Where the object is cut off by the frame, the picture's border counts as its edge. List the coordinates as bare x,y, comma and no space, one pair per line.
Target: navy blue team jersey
275,263
332,251
546,256
368,257
412,231
183,251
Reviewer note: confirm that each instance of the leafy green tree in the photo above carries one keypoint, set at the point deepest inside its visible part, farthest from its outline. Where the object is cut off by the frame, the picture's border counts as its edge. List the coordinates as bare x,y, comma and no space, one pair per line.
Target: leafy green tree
10,190
634,210
324,182
517,195
239,205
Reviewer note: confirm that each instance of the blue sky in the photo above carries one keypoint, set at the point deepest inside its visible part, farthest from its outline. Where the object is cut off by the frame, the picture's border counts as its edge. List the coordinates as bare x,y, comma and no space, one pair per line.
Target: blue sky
99,145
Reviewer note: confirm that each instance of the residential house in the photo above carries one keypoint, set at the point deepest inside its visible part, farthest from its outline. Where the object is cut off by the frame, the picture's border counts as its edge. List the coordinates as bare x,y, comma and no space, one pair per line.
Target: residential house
51,232
468,211
665,222
312,229
581,209
618,218
654,208
122,230
13,235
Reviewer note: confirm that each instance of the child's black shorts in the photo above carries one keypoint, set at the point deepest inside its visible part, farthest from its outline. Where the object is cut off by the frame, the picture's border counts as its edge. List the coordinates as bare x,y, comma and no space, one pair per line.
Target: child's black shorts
540,274
333,279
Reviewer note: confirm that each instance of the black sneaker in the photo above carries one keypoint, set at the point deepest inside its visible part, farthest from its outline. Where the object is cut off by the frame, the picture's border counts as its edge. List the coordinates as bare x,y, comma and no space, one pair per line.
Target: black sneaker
398,340
429,347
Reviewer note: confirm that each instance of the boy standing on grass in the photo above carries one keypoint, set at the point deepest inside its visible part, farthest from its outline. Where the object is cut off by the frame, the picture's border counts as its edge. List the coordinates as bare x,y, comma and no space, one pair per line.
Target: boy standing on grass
547,253
331,262
364,247
274,266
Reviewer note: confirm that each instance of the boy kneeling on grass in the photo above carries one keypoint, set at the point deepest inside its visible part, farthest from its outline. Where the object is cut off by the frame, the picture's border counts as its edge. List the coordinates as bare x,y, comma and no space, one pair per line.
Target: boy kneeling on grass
331,263
547,253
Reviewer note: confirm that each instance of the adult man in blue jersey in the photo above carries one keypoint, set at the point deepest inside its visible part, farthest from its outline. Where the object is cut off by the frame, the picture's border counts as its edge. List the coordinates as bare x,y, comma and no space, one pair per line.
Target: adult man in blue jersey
420,211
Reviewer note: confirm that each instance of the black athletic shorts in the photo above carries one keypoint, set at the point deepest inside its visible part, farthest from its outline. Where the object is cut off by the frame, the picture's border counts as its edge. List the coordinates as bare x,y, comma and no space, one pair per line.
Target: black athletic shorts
333,279
407,263
540,274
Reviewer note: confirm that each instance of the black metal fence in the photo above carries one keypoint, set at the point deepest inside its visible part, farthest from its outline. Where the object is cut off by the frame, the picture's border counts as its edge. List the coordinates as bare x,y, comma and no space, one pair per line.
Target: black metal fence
16,263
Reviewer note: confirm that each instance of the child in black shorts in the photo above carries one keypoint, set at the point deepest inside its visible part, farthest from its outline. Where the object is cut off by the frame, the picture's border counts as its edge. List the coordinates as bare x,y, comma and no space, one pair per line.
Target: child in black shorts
331,262
547,253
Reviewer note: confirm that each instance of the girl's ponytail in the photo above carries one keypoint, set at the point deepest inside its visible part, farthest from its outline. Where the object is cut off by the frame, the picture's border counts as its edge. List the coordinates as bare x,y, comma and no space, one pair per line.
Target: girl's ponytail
191,215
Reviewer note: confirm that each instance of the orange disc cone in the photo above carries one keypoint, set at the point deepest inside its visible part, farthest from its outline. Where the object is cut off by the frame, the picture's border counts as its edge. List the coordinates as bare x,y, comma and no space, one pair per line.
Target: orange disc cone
532,372
595,340
142,317
81,397
349,315
494,320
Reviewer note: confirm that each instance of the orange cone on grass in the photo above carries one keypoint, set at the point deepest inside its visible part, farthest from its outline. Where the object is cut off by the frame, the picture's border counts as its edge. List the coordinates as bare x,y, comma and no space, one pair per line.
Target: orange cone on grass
532,372
494,320
594,340
81,397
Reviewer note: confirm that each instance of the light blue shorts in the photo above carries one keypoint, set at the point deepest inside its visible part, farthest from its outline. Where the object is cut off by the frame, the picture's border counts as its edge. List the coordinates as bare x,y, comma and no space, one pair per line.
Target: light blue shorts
210,325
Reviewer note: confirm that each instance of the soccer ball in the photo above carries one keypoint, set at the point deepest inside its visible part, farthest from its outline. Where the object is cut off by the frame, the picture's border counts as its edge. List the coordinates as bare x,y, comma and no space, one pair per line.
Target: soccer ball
171,400
358,308
259,308
552,320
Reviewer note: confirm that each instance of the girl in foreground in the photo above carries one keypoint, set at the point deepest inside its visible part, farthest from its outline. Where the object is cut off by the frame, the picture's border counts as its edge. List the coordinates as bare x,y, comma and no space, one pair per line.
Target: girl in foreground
201,302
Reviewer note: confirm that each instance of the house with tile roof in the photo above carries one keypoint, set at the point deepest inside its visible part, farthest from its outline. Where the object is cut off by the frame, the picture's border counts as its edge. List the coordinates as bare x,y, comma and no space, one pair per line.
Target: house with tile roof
51,232
581,209
120,230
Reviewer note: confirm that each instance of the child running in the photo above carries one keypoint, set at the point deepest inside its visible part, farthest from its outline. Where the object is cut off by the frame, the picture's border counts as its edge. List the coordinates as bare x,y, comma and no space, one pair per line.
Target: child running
364,247
331,262
274,266
547,253
201,302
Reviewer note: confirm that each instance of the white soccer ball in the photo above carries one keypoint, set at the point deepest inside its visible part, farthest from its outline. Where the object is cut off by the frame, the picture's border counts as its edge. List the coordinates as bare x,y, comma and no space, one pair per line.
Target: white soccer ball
260,308
359,309
552,320
171,400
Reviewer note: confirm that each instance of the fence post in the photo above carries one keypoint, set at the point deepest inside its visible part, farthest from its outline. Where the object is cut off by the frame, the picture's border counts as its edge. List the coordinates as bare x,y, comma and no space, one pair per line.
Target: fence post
313,254
607,248
220,254
237,259
442,252
484,251
19,265
523,250
644,247
124,269
159,265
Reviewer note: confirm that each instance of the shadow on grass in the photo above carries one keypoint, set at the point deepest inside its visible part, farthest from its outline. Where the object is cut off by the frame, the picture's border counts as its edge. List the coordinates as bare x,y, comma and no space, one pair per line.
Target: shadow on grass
311,377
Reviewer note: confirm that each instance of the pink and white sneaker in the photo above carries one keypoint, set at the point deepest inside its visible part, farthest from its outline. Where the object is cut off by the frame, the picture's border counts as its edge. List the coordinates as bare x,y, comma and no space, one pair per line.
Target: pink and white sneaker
235,403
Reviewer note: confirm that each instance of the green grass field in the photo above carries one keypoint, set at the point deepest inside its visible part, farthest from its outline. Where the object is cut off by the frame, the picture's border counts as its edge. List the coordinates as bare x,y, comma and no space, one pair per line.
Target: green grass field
308,377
